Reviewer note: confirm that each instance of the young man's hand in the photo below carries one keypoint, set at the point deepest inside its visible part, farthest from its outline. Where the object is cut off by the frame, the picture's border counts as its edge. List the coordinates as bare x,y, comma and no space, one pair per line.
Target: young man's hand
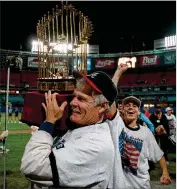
122,68
52,110
165,179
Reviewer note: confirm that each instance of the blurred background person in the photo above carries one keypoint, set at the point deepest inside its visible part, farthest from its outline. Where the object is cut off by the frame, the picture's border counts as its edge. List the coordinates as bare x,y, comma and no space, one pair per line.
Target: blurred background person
120,107
144,121
160,122
171,121
16,118
10,110
146,112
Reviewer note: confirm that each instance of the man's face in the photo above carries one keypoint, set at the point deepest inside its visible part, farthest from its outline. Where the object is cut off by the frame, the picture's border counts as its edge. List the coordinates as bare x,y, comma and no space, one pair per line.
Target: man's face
120,108
158,110
169,112
131,112
83,110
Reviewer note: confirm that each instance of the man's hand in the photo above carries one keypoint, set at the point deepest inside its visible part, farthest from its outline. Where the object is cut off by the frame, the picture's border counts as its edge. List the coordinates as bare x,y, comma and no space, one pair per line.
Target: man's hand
3,135
160,130
52,110
165,179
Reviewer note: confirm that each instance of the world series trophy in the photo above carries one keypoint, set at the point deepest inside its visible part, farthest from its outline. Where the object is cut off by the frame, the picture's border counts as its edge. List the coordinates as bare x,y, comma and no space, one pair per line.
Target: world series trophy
62,37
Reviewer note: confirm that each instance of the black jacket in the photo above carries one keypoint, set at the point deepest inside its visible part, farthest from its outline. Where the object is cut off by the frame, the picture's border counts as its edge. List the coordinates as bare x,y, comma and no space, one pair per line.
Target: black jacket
163,121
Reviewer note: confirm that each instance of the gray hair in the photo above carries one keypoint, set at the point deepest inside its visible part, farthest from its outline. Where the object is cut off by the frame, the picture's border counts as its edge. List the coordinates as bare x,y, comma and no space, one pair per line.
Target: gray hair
98,98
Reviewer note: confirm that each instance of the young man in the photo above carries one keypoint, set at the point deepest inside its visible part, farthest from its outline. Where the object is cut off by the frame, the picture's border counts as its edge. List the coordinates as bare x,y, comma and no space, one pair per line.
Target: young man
135,164
137,146
84,156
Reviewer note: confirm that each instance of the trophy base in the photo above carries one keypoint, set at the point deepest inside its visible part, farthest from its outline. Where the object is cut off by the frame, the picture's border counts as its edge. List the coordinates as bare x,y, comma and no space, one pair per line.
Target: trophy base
63,85
33,112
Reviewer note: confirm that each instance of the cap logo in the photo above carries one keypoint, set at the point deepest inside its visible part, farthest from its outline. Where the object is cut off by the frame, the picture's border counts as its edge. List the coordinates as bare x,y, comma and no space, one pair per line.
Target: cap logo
93,75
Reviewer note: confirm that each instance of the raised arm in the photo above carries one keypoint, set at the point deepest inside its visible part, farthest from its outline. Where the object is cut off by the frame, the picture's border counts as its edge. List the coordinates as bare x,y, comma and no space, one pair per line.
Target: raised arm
120,70
118,73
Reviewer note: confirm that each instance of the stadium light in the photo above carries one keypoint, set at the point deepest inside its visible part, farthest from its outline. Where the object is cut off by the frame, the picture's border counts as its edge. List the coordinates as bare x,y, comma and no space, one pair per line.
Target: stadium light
61,48
170,41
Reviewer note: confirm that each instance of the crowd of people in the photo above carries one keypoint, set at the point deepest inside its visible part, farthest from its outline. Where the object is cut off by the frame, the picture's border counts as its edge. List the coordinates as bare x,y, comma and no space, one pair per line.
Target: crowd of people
105,146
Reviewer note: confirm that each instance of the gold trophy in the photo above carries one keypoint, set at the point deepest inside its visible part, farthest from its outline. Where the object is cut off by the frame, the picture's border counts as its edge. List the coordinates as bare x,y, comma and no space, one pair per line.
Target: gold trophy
62,37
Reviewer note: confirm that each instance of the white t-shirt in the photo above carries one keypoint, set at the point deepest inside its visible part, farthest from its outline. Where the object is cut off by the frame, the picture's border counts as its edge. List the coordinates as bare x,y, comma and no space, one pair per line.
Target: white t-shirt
134,149
137,146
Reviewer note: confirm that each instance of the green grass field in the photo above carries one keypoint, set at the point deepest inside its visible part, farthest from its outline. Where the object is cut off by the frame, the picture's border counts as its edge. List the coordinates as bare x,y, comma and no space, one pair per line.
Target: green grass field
16,144
12,126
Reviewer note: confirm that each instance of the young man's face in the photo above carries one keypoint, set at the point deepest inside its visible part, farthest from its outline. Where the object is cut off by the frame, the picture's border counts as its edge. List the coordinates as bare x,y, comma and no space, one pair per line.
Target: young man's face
83,110
131,111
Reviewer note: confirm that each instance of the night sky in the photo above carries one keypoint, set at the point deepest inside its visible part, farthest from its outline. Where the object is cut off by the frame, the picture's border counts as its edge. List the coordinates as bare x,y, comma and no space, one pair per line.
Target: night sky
114,23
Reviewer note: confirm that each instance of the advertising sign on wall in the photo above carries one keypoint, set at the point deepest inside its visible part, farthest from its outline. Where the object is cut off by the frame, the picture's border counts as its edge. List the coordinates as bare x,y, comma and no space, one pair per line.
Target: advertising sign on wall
149,60
170,58
79,64
105,63
33,62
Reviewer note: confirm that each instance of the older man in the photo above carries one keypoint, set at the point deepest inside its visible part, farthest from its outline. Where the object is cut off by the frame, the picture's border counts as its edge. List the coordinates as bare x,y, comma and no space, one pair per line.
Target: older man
84,156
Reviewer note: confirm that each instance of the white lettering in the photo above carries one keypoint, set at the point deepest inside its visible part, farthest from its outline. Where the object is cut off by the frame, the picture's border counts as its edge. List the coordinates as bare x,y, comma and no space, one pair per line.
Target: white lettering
103,63
147,60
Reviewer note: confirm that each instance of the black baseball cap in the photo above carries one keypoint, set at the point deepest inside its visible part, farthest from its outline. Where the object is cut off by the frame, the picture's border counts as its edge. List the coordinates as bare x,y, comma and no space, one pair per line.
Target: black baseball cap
132,99
101,83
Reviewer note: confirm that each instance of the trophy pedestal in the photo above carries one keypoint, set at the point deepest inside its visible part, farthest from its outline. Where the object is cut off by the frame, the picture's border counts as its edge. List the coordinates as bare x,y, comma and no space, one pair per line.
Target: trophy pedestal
34,114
